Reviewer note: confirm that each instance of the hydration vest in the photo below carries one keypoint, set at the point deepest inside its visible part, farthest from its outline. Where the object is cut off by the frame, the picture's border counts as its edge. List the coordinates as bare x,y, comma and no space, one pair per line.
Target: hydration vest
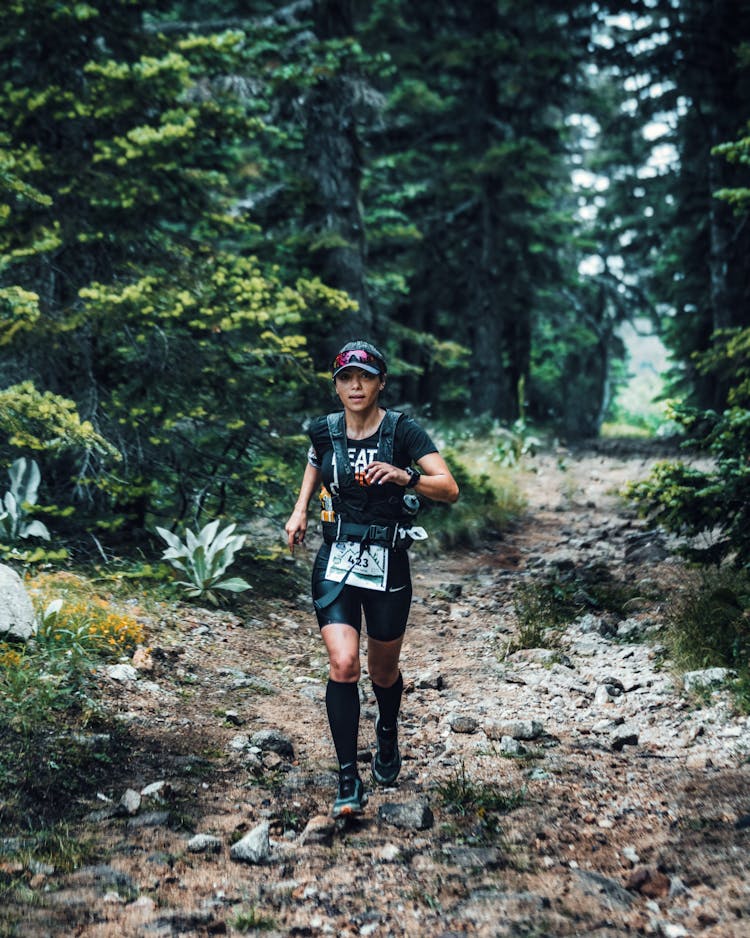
350,501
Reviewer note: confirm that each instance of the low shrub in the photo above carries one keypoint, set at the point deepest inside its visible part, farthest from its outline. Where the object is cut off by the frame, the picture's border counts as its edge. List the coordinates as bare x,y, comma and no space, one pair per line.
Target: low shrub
82,619
50,699
709,625
544,605
490,498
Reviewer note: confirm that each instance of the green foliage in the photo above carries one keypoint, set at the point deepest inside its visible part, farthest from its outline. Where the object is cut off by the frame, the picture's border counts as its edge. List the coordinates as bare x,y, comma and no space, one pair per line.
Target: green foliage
46,422
539,614
49,695
545,605
709,626
466,193
518,440
253,919
204,558
172,356
488,503
57,846
14,510
479,805
711,503
515,442
737,152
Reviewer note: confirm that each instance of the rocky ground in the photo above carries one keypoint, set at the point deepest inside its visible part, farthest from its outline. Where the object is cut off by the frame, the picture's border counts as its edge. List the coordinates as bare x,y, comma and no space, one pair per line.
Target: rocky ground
574,790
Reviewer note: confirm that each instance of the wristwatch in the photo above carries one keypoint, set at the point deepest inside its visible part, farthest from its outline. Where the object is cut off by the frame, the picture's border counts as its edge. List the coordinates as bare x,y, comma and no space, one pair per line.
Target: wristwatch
414,477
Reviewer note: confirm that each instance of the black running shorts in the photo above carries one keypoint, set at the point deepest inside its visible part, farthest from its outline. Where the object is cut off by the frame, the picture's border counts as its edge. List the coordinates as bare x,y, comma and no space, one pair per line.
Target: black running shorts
386,612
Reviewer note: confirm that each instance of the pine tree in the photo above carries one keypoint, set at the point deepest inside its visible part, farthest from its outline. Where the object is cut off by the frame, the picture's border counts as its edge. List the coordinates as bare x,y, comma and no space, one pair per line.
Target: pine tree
121,251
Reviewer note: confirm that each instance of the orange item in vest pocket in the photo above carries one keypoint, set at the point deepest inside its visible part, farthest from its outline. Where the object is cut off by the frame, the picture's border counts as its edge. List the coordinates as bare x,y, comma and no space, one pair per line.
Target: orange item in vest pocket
326,505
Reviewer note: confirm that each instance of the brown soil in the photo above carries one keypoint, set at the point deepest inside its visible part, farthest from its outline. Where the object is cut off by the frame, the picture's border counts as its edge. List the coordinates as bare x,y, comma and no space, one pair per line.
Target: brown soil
646,839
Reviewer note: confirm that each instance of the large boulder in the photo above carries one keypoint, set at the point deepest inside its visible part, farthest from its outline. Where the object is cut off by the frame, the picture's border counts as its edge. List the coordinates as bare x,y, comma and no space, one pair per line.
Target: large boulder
17,620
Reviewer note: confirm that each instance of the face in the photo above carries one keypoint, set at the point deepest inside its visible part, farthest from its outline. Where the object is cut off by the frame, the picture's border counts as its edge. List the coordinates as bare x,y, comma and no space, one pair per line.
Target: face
357,389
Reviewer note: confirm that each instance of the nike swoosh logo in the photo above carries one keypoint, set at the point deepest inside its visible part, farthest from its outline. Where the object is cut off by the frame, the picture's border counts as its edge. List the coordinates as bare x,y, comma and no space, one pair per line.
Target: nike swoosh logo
395,589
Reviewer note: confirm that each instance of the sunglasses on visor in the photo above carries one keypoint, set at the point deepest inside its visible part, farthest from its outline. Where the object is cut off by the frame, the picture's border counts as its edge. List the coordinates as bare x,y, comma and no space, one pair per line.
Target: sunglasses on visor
356,357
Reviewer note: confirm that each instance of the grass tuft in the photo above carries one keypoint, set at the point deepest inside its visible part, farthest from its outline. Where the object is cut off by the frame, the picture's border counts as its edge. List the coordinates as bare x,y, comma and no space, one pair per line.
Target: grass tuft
709,626
252,920
478,806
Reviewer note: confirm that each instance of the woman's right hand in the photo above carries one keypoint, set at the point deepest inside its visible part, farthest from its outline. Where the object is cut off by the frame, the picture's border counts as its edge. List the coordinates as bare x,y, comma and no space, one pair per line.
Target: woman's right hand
296,527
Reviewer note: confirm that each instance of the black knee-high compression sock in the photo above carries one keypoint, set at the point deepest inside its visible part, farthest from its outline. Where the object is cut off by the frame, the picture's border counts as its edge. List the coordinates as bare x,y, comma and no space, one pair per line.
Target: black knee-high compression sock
389,702
342,704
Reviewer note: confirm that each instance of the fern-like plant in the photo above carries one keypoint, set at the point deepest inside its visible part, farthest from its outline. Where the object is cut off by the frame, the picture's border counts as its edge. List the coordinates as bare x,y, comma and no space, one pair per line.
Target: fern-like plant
204,558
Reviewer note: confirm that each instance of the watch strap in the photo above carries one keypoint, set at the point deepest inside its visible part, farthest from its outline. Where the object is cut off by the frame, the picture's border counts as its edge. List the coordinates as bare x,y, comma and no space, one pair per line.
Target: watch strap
414,477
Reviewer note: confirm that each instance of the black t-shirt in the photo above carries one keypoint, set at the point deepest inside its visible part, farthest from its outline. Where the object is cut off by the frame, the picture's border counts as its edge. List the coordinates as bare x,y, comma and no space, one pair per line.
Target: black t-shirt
410,444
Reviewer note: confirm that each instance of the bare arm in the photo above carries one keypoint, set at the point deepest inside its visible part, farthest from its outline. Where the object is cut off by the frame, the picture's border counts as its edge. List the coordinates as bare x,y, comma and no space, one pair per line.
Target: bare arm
296,526
436,482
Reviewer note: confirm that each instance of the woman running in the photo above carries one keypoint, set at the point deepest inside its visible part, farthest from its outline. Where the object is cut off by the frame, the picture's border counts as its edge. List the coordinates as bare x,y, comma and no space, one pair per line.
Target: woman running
364,457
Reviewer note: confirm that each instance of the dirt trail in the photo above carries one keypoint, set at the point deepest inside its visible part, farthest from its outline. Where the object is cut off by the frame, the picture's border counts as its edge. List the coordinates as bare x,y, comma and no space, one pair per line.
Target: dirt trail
611,807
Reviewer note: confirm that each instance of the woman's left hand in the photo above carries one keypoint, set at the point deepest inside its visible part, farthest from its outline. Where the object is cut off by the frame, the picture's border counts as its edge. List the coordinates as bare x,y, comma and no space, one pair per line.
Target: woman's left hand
379,472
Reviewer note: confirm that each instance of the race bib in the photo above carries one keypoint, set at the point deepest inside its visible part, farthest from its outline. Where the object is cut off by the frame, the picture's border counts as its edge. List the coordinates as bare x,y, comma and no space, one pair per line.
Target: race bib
368,569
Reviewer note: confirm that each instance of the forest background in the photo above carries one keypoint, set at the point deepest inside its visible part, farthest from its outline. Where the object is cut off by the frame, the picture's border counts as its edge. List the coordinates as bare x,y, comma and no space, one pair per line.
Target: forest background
202,200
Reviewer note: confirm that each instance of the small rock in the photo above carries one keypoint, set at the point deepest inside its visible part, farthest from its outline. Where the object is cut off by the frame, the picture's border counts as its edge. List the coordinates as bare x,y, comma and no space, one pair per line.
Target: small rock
275,741
485,858
255,847
155,790
699,760
511,747
460,723
633,629
204,843
130,802
677,887
388,853
121,672
607,693
239,743
17,619
596,884
142,659
648,882
630,854
645,547
516,729
429,680
150,819
589,623
411,815
623,736
253,763
708,677
272,760
673,930
319,830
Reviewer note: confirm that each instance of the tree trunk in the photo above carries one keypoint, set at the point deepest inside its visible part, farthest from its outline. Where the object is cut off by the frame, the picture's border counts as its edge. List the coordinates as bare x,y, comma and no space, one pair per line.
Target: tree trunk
334,165
500,330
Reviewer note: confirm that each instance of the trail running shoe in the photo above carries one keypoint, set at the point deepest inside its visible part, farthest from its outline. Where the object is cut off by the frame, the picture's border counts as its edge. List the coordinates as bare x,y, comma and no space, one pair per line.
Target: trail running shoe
387,762
351,797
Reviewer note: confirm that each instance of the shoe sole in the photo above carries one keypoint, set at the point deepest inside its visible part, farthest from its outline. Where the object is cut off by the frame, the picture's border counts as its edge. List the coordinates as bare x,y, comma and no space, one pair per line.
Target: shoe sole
347,810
